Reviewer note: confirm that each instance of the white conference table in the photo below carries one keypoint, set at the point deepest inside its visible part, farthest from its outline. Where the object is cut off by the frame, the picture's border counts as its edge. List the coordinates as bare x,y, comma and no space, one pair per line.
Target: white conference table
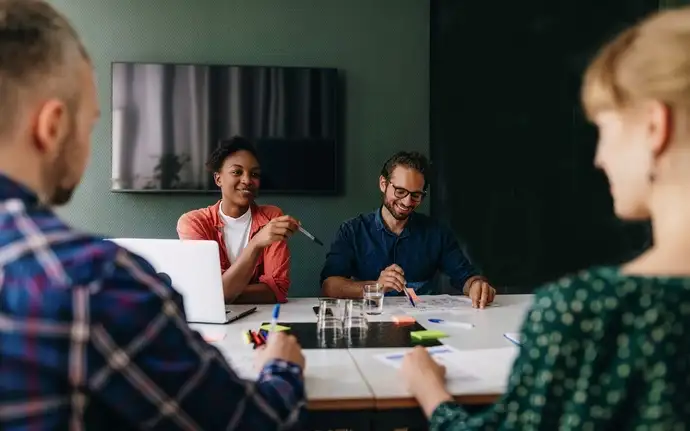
353,379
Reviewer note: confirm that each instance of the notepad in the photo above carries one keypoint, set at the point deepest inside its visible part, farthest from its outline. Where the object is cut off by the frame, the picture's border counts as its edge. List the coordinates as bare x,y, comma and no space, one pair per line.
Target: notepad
279,328
404,319
428,335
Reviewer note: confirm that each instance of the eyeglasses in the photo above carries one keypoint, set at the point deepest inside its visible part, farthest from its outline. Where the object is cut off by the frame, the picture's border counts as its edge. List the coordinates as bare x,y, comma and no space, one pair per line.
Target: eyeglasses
402,193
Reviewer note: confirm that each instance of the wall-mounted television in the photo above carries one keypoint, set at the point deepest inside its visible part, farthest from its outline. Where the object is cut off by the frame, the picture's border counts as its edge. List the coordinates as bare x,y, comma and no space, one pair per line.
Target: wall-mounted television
168,118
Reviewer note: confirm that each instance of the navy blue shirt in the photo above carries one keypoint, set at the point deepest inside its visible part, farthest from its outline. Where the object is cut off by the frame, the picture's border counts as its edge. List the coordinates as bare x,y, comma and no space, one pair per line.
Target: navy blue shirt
363,247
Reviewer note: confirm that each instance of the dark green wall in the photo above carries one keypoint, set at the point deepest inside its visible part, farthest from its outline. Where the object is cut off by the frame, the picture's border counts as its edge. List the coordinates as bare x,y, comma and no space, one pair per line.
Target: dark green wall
674,3
381,46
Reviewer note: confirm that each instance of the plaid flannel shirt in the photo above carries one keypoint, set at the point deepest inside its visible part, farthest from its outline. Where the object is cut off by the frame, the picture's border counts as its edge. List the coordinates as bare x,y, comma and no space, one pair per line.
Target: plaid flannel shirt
92,338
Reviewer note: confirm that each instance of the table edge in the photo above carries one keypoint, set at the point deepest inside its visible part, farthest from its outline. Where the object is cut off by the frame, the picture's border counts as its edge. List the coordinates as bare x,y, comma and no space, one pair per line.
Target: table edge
341,404
410,402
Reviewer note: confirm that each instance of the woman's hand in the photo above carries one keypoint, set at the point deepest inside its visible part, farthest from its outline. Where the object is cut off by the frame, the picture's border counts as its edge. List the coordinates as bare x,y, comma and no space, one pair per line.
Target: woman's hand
425,379
278,229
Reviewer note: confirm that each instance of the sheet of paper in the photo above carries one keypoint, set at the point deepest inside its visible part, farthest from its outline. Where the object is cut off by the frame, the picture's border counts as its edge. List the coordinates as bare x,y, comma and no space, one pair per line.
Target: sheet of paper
444,355
496,364
439,303
433,304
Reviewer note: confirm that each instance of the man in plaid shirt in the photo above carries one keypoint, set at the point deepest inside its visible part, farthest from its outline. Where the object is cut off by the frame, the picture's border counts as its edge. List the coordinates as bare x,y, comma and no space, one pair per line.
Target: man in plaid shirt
90,337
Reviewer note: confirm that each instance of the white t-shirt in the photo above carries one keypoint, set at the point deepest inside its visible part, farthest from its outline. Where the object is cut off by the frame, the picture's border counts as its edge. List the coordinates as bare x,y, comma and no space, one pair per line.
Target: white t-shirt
236,233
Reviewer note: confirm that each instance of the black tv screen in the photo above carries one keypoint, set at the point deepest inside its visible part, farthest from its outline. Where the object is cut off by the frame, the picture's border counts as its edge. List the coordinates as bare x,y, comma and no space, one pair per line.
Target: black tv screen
168,118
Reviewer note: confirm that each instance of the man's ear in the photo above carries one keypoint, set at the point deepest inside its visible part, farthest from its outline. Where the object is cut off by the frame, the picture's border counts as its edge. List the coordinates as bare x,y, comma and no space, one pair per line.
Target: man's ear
51,127
382,183
216,178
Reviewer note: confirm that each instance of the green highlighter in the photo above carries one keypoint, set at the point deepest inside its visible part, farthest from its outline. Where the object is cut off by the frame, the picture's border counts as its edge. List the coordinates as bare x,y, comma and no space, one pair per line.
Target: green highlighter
427,335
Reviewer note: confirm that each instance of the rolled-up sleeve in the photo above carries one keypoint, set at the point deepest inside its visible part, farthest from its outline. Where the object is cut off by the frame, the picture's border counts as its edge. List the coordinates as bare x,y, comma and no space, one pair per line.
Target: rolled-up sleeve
340,260
276,273
190,227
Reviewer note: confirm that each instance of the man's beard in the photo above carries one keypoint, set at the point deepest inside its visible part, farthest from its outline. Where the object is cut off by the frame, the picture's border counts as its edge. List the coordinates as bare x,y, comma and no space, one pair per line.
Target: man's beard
390,206
60,194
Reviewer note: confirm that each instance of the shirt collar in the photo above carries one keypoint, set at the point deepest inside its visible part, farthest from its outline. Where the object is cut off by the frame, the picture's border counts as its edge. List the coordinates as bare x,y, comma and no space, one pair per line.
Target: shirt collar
380,225
257,215
10,189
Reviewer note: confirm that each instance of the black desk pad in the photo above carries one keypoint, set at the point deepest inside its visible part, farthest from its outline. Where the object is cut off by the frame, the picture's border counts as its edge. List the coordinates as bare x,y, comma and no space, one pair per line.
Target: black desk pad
377,334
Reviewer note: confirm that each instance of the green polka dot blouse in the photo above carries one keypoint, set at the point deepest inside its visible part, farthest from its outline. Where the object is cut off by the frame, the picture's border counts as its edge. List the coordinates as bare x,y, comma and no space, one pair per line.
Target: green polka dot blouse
600,350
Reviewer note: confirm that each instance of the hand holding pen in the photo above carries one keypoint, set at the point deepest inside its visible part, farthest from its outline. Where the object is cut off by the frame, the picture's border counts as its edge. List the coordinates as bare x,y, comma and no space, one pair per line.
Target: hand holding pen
392,278
280,346
280,229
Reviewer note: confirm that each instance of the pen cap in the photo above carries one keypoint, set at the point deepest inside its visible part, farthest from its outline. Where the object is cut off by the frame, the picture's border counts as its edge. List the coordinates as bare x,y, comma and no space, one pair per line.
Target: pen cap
276,311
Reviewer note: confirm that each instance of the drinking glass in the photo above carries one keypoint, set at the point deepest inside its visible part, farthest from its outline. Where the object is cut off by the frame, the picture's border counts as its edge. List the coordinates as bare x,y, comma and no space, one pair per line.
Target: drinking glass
373,298
330,314
355,314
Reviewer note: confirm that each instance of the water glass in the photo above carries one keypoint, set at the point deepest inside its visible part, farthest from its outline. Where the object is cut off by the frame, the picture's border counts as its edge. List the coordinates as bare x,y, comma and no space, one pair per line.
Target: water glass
329,338
330,314
373,298
355,314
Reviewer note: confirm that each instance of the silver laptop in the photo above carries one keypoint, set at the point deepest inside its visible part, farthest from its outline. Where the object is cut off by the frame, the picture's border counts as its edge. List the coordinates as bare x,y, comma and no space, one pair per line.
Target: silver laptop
193,269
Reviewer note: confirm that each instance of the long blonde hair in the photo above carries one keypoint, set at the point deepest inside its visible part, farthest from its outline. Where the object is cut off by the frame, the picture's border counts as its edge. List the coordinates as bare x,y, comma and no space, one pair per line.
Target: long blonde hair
649,61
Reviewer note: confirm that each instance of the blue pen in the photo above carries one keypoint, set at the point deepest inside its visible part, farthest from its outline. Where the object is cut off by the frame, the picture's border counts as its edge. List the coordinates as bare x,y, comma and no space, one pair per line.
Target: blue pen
274,319
458,324
409,296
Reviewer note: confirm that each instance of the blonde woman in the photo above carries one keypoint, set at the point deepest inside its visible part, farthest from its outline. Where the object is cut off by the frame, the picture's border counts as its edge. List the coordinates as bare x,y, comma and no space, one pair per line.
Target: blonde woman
608,348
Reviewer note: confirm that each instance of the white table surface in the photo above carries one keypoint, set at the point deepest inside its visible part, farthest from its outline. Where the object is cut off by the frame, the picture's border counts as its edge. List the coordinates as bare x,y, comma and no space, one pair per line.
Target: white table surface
330,374
489,326
354,374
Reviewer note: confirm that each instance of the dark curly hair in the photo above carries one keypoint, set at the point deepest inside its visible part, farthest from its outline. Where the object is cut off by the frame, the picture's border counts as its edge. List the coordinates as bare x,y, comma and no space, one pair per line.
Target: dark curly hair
225,149
408,159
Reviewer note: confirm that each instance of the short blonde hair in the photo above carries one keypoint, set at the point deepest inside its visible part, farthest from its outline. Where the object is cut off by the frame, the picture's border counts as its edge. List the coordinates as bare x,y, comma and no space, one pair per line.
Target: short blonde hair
38,45
649,61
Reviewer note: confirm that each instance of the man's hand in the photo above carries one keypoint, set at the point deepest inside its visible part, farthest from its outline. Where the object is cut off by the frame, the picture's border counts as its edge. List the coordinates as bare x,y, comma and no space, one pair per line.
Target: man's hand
392,278
425,379
278,229
280,346
481,293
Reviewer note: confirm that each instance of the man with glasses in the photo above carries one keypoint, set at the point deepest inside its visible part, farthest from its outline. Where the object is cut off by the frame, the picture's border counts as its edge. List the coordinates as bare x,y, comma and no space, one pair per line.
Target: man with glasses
397,247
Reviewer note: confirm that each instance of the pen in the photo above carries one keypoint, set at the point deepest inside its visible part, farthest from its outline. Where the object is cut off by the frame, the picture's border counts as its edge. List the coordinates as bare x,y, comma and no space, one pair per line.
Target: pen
274,319
458,324
409,297
310,236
